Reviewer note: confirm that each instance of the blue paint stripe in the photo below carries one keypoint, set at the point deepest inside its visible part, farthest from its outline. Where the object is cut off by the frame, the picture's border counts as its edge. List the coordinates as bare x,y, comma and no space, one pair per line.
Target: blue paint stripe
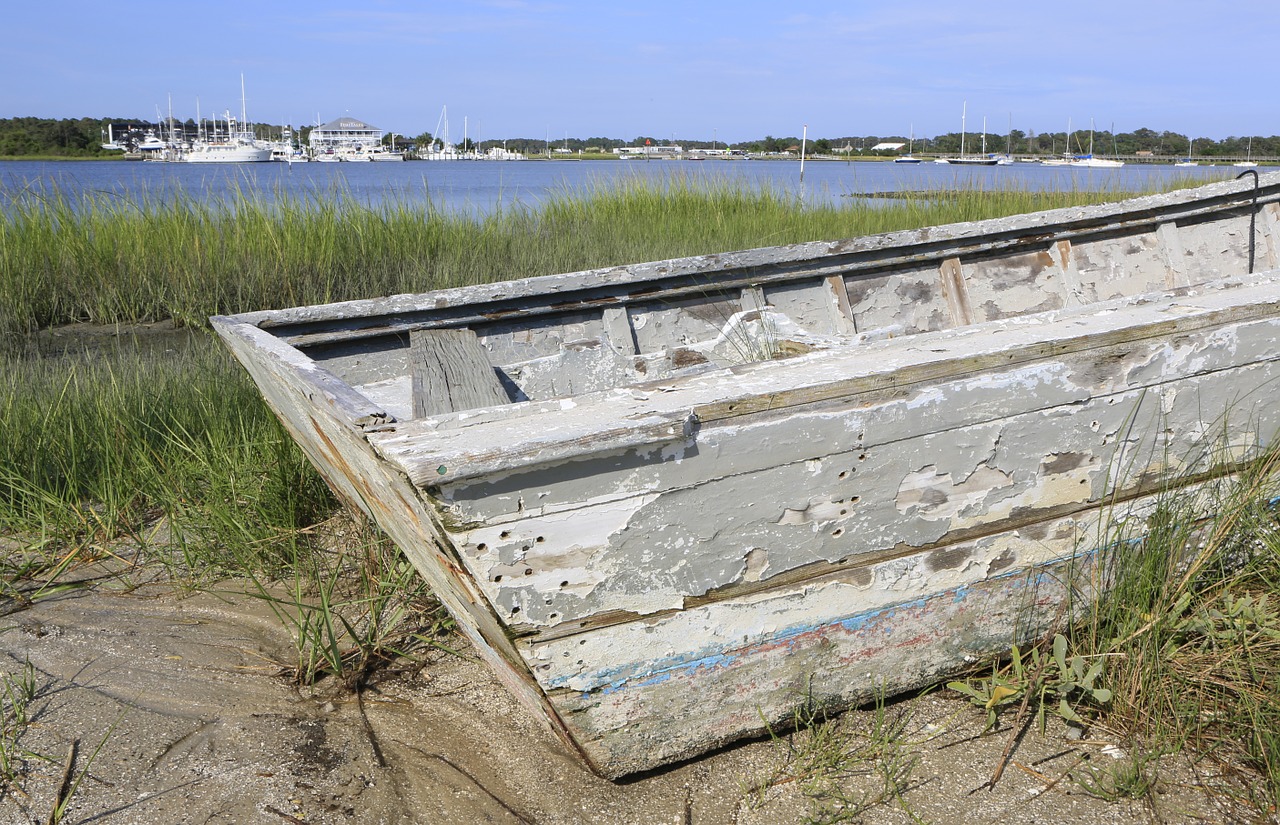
615,679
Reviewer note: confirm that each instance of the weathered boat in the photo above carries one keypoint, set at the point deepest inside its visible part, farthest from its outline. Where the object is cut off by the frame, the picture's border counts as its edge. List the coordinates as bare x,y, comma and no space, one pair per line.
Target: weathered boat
670,501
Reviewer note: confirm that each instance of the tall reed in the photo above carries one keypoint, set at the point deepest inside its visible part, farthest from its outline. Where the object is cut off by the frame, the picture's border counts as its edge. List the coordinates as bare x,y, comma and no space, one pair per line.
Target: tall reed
104,445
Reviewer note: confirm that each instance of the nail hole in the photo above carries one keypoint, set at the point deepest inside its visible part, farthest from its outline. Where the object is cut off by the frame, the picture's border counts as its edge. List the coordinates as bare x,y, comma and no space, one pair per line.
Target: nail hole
498,578
505,534
482,547
528,571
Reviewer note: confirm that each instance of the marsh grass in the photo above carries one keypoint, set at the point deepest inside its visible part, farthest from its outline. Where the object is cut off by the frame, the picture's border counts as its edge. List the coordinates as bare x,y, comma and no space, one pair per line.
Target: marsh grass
99,447
1191,629
102,259
353,606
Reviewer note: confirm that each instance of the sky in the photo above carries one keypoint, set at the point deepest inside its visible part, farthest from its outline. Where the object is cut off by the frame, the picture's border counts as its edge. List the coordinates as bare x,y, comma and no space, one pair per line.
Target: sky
705,70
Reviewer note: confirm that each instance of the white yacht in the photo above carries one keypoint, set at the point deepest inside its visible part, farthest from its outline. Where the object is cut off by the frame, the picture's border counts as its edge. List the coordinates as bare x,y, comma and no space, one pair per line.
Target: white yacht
237,144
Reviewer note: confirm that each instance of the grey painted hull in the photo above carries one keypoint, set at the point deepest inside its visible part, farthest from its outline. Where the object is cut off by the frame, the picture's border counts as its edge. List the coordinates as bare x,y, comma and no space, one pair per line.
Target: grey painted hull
712,488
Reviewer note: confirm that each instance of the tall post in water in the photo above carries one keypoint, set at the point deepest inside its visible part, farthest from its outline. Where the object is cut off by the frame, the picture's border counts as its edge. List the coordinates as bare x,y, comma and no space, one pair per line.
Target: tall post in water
804,138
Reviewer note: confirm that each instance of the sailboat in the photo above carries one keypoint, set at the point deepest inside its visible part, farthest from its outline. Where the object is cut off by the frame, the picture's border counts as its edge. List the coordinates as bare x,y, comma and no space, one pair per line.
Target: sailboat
969,160
1248,162
1065,158
909,157
1191,153
1090,161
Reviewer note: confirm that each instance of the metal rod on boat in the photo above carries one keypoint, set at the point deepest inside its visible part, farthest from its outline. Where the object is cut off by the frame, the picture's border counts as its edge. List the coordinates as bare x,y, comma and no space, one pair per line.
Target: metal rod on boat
1253,214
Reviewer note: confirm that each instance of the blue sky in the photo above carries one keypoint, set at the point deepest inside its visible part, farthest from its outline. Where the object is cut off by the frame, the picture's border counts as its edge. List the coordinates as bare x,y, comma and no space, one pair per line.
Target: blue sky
696,70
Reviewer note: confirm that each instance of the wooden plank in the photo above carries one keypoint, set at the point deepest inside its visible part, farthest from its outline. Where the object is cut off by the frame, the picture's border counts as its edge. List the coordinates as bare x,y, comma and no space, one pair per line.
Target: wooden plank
1173,253
653,693
451,373
1074,292
670,688
1268,252
617,326
953,289
842,320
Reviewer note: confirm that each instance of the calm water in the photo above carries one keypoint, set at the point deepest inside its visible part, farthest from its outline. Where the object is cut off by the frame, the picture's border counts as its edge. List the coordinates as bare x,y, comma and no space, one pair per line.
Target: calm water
483,186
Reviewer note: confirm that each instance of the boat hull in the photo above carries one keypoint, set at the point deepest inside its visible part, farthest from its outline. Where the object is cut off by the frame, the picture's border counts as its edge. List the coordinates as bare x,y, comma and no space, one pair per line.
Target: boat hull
225,154
663,546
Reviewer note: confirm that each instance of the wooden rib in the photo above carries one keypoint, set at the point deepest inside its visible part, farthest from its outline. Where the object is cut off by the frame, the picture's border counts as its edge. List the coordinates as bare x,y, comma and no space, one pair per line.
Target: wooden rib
953,289
451,372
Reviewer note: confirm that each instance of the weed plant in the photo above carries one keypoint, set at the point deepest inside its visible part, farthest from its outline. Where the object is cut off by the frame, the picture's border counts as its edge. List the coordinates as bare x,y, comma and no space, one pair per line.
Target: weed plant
845,772
1182,655
1191,631
17,692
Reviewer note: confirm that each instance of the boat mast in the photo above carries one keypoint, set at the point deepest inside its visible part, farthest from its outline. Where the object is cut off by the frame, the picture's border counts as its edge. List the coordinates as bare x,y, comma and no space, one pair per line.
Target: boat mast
964,108
244,117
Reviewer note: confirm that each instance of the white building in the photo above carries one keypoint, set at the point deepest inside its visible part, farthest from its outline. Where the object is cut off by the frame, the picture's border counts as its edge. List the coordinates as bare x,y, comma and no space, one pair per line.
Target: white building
345,136
670,151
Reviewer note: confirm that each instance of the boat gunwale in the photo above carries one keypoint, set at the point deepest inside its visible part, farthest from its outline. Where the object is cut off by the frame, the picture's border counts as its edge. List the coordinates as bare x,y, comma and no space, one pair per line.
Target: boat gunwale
699,275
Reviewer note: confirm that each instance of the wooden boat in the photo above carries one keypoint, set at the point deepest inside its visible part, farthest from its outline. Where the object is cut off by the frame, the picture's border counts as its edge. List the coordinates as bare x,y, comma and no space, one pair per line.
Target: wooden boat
669,502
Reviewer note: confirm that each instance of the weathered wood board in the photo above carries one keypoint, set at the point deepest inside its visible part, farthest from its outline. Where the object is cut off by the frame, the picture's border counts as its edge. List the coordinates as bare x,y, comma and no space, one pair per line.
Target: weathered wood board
669,501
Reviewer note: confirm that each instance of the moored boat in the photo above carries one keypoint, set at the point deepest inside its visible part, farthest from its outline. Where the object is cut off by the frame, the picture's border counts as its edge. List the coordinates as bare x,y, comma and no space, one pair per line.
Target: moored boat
230,150
965,159
669,502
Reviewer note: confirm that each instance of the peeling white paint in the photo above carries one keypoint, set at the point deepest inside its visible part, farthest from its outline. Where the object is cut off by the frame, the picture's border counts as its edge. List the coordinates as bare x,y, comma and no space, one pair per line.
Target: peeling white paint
935,496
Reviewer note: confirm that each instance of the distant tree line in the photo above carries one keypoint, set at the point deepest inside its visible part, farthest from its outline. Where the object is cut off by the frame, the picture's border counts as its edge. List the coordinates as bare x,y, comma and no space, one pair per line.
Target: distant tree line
83,137
1159,144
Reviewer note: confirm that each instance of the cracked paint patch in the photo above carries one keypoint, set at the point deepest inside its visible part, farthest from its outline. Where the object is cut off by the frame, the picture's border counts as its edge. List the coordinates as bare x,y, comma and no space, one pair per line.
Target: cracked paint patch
820,512
756,562
935,496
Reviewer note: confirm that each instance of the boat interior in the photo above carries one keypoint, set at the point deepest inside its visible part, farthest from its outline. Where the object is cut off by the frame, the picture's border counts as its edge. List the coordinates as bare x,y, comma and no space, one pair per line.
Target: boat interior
565,335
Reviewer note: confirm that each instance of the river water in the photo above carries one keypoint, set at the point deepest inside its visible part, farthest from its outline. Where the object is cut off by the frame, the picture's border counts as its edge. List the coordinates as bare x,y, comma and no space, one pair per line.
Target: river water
484,186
